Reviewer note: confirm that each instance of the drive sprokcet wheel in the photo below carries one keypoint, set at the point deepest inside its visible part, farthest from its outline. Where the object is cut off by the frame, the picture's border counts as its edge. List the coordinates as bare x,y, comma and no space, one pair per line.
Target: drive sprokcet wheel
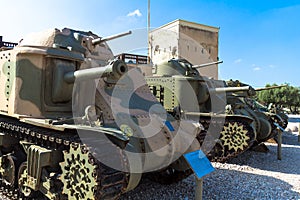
235,137
78,174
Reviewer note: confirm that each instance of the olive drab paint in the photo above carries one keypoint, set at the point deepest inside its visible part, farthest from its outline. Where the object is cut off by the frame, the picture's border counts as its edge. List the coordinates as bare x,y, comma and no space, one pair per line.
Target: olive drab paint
229,102
181,89
264,118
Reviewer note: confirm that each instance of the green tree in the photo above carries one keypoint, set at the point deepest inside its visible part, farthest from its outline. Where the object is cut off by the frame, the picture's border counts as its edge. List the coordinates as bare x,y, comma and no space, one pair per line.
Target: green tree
288,97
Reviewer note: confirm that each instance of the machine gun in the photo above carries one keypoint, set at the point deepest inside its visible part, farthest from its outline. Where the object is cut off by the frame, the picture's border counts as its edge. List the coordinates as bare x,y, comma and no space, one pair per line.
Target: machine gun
112,37
206,64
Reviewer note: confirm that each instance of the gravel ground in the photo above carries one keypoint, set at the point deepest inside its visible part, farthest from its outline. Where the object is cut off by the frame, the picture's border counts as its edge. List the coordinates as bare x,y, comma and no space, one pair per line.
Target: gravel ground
251,175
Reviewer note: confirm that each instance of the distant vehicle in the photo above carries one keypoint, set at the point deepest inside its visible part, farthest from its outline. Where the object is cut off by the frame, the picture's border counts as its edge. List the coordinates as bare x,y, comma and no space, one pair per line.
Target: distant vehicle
293,123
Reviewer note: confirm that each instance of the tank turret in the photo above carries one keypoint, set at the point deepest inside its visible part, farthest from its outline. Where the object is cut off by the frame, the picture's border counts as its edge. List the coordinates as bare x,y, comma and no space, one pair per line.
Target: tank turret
33,70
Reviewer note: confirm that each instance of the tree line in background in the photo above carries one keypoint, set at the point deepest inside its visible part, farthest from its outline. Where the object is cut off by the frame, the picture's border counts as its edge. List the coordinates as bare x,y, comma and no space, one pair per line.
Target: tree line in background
287,98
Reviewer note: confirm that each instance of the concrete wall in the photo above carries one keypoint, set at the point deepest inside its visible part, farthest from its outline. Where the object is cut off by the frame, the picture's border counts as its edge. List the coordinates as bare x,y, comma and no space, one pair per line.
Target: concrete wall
199,45
181,39
164,44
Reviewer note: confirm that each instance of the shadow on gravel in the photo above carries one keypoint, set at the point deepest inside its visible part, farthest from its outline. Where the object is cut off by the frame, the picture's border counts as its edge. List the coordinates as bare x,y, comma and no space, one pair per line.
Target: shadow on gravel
290,162
290,138
237,183
150,190
221,184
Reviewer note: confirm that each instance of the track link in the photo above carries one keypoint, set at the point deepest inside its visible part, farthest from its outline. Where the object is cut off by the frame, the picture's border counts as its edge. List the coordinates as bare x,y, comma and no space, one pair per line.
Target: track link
110,183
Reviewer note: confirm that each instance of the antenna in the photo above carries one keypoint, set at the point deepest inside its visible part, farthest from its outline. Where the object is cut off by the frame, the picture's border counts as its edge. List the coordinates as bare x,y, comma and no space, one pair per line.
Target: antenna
148,31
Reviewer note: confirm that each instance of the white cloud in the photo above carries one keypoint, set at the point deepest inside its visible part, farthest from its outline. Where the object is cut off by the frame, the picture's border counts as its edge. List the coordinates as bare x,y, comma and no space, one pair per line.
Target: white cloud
272,66
137,13
255,67
238,61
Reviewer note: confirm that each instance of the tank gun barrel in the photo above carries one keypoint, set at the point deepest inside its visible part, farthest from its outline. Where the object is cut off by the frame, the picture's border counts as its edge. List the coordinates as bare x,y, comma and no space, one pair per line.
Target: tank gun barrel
104,39
229,89
207,64
116,68
271,87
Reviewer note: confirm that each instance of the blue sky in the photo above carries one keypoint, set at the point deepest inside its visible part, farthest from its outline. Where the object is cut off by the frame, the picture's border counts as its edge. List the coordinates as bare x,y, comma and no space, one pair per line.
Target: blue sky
259,41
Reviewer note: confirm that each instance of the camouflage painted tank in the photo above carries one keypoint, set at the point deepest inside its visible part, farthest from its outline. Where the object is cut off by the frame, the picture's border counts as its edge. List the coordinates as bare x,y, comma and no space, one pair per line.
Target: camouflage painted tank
75,125
182,91
266,121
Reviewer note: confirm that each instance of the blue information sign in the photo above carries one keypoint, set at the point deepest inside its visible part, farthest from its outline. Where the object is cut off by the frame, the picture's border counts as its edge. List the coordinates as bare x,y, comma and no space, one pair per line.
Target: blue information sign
169,125
199,163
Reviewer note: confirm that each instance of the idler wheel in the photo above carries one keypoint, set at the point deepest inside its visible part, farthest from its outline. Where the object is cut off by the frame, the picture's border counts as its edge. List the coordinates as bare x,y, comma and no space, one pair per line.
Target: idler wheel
25,191
7,169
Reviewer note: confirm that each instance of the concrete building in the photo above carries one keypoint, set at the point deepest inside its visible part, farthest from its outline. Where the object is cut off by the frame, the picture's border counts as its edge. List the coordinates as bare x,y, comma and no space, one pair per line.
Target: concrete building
197,43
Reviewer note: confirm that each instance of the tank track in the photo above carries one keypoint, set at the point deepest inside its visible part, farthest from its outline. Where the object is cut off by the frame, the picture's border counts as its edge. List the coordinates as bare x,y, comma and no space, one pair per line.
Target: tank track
110,183
221,152
7,193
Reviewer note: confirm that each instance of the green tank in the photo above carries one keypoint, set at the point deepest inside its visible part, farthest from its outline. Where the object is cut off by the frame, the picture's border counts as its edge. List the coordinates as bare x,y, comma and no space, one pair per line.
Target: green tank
267,121
78,124
182,91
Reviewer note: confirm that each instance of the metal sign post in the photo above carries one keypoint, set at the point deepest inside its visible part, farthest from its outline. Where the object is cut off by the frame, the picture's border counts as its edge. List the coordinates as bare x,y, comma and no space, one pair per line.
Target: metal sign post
299,133
279,138
201,166
280,130
199,189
